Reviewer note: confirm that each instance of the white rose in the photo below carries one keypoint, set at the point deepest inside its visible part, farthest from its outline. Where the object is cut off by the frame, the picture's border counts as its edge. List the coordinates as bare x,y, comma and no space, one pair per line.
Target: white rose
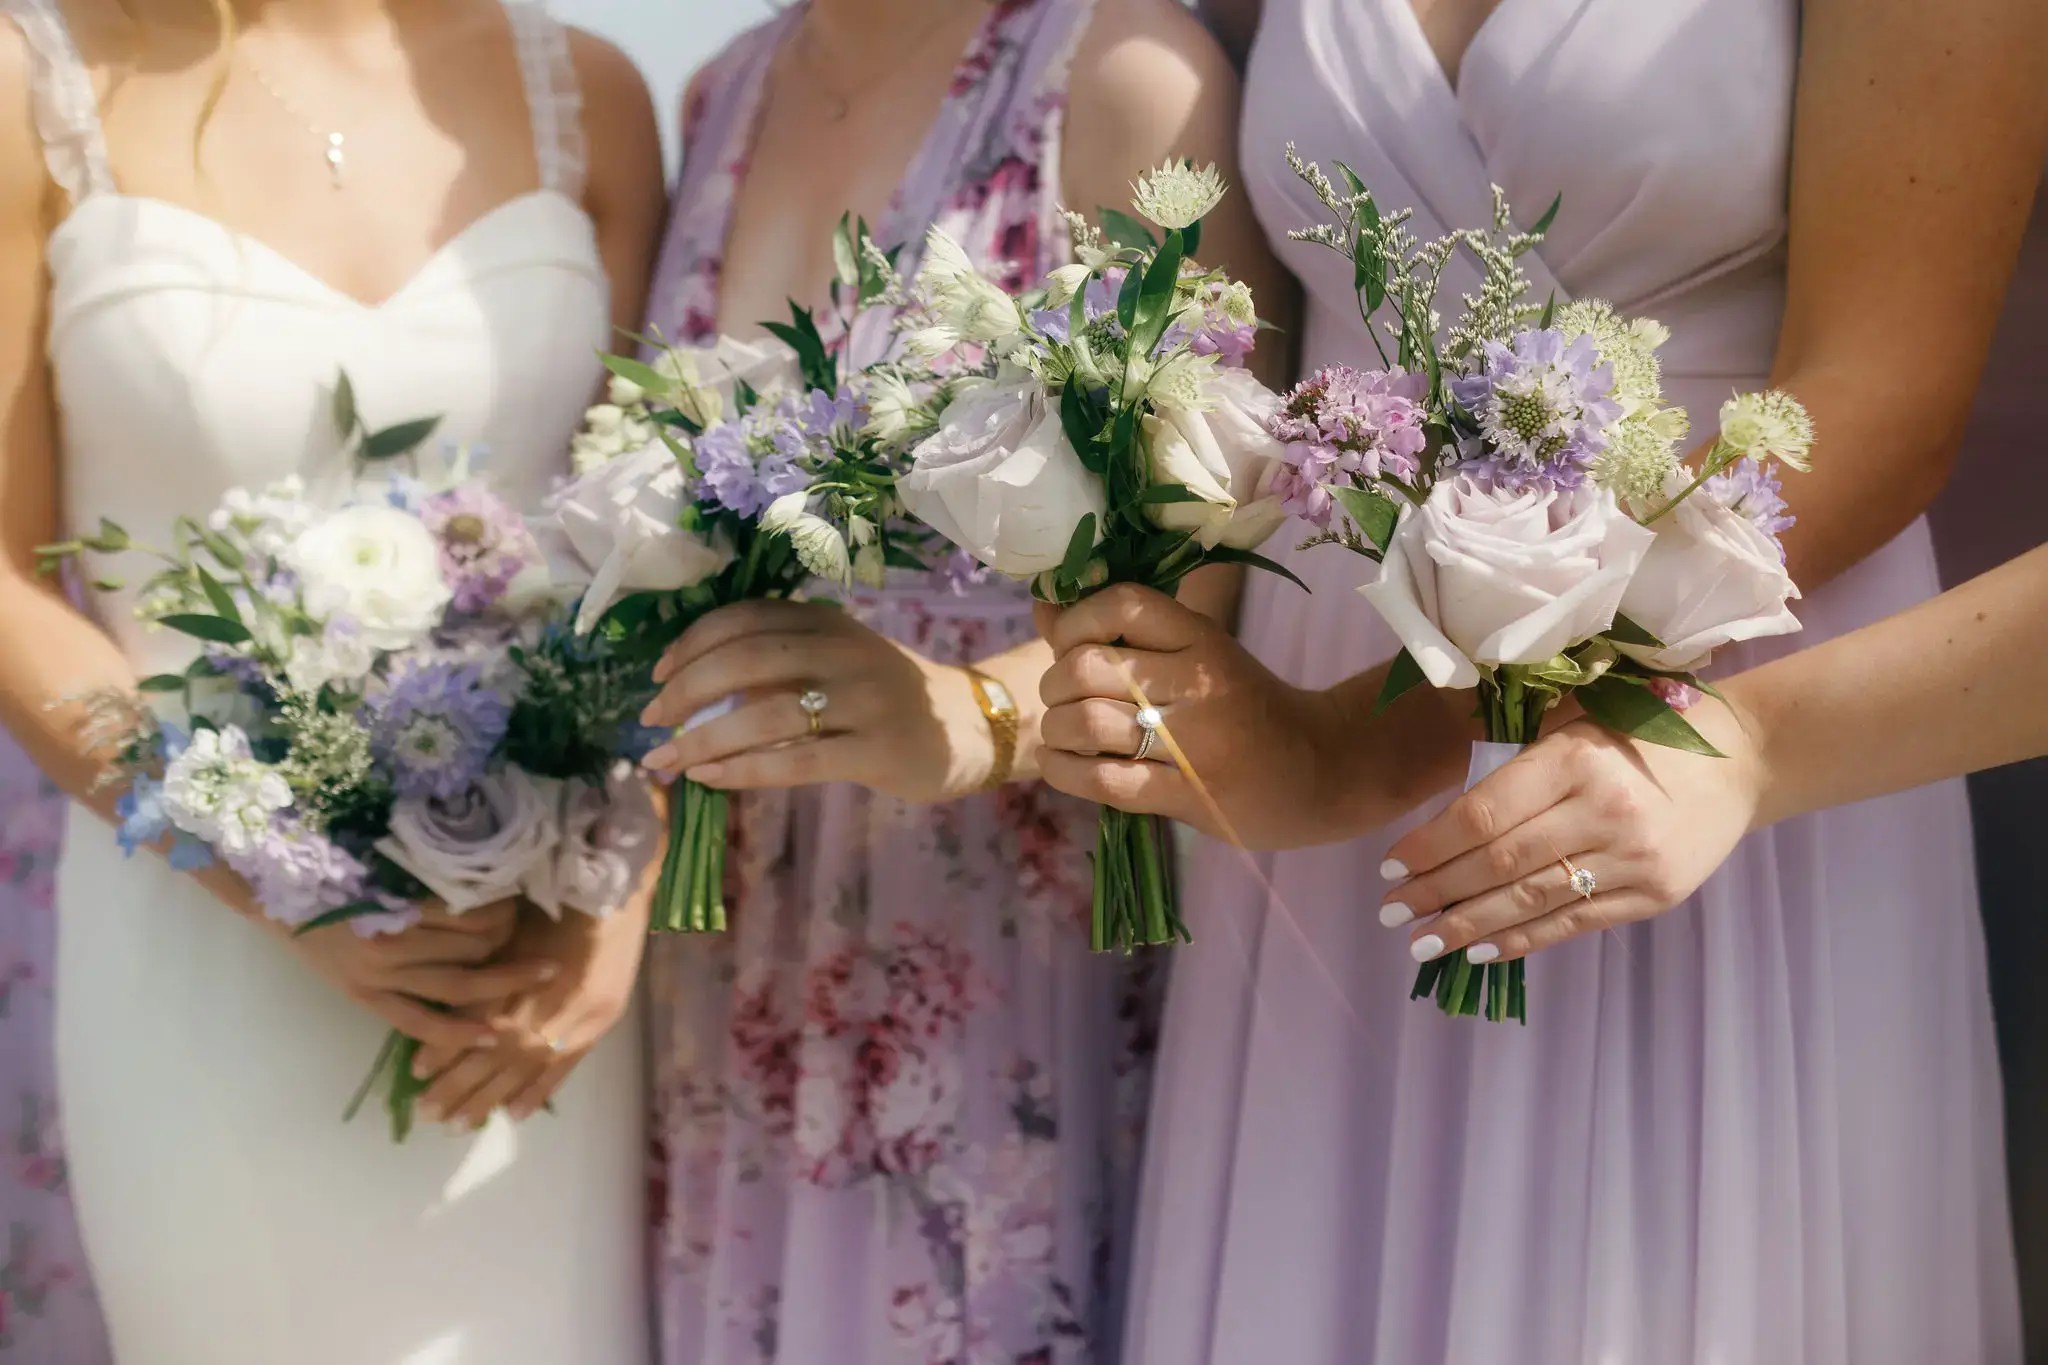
616,526
1226,457
1478,575
480,848
1711,578
377,566
609,833
1000,480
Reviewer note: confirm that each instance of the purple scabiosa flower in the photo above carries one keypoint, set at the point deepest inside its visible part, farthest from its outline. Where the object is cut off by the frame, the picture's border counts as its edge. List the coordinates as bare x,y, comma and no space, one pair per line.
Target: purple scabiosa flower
1543,406
1101,303
299,874
1366,423
434,727
1230,342
1752,490
484,544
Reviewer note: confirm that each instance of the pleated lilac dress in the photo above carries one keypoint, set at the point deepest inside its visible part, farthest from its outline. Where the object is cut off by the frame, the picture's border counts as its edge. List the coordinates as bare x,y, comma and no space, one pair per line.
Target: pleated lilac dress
897,1107
1762,1129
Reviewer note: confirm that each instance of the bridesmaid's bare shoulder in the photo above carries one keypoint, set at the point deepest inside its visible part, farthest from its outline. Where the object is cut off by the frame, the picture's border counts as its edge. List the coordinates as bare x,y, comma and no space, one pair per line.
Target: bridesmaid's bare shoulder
23,181
1148,82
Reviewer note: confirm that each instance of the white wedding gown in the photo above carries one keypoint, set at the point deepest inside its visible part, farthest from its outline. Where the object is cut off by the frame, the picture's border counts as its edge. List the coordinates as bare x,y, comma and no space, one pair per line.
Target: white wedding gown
230,1217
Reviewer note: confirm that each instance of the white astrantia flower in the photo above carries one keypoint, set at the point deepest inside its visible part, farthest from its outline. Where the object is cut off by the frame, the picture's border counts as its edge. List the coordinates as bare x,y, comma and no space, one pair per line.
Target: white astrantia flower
819,546
1064,283
1772,425
895,411
219,793
1641,456
1628,346
1236,304
1182,382
1177,196
966,303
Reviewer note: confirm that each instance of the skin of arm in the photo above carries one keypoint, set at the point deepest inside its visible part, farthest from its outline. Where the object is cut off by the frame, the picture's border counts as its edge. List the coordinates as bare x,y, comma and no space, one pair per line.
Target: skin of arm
1148,84
1949,687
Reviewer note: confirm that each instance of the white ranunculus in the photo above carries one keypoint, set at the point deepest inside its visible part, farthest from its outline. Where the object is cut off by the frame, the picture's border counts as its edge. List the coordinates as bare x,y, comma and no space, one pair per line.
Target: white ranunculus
1711,578
1225,455
609,834
1478,575
1000,480
480,848
377,566
616,529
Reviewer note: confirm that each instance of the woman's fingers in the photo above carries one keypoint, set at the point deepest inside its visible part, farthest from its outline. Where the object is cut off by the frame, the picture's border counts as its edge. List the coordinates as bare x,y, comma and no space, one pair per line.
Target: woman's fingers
1532,846
497,1090
1530,784
1145,788
1141,617
1095,670
1095,726
782,661
835,758
423,1024
536,1095
448,1095
776,718
465,986
1544,892
727,624
1608,909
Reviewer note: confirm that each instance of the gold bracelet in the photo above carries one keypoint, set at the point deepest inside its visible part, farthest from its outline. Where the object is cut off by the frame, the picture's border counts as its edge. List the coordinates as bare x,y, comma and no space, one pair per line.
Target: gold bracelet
1000,712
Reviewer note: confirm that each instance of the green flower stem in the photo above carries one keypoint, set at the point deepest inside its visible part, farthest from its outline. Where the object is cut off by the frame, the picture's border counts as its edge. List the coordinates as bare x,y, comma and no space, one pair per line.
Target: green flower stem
690,897
1135,904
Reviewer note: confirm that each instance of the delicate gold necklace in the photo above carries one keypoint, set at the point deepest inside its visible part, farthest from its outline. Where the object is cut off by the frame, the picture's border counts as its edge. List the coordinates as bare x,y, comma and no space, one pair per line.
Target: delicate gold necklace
335,142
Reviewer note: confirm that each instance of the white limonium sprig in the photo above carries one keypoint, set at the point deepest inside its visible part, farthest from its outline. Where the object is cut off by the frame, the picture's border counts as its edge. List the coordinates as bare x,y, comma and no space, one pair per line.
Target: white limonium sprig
1177,195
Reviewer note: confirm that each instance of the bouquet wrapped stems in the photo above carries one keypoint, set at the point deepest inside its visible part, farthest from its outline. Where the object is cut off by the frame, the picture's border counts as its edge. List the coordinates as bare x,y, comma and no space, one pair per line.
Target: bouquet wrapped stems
1511,713
1135,905
690,897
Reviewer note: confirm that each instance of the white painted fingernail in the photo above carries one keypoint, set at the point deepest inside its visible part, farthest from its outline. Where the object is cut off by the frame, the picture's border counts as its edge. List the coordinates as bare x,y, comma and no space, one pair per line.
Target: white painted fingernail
724,706
1394,914
1428,948
1482,953
1393,870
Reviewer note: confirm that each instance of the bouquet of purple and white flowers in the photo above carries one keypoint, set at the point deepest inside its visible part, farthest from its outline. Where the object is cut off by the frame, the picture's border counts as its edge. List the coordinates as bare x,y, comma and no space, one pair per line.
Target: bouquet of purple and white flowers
1112,436
383,708
1519,484
722,474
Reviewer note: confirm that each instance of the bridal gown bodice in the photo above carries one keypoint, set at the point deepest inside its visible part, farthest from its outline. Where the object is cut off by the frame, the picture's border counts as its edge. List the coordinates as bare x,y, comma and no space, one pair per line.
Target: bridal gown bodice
230,1217
1760,1128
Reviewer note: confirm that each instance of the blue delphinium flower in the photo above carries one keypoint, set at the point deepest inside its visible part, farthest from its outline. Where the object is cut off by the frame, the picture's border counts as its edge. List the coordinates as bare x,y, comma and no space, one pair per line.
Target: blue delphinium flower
434,728
1543,406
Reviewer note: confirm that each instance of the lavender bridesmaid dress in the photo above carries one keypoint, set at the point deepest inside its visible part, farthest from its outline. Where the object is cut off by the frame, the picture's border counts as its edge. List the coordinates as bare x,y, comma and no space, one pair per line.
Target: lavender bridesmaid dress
1762,1129
897,1107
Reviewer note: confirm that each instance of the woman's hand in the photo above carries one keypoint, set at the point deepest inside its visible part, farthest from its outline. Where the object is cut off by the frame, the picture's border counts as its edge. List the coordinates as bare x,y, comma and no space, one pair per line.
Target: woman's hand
444,960
1649,823
893,721
1260,750
540,1037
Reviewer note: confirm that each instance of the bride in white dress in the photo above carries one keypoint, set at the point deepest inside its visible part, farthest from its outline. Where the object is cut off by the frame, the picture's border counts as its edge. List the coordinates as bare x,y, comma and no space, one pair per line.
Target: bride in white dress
171,326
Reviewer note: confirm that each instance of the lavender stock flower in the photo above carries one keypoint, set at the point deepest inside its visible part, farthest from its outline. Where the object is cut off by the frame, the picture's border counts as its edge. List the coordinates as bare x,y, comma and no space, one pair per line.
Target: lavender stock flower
299,874
1543,405
435,727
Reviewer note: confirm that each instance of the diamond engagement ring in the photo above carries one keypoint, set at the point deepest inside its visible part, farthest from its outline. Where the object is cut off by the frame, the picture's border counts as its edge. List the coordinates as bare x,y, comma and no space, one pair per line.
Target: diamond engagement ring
1149,721
813,703
1582,881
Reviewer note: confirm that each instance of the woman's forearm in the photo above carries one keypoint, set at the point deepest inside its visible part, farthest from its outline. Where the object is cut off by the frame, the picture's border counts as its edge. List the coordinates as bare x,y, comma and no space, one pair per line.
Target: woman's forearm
54,658
1951,686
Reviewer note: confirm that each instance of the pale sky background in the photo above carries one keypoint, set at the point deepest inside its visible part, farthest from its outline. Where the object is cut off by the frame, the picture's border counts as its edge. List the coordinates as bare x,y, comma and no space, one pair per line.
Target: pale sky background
668,38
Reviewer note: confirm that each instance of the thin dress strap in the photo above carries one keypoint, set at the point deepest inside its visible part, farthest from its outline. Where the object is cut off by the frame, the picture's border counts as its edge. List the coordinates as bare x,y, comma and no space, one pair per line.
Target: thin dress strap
552,93
66,110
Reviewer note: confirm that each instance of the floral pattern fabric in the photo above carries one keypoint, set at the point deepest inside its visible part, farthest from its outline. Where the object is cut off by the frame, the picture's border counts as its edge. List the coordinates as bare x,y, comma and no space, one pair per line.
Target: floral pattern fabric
47,1309
899,1105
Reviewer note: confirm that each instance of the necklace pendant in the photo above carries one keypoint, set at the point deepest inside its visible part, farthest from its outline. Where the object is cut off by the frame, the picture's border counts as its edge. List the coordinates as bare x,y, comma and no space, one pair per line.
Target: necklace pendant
337,157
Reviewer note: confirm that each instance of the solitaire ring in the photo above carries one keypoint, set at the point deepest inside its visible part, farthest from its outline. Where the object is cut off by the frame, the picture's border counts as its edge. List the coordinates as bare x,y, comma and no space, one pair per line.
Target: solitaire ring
1582,879
1148,720
813,703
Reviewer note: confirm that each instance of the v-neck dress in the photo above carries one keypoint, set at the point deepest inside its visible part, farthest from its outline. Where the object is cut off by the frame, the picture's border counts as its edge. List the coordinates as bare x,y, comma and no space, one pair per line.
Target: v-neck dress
1761,1129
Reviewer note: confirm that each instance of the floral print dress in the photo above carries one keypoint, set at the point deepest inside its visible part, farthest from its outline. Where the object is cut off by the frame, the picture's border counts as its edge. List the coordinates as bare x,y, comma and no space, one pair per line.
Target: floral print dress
898,1106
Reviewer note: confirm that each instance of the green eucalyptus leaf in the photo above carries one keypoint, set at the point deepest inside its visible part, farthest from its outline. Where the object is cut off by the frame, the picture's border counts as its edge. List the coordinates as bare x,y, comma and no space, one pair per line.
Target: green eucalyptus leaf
1225,554
845,253
345,419
223,550
1404,675
1082,544
634,372
1549,312
1191,238
397,440
1350,178
210,628
223,602
1549,217
107,585
1374,513
1126,299
161,682
1155,301
1081,425
1627,705
1627,632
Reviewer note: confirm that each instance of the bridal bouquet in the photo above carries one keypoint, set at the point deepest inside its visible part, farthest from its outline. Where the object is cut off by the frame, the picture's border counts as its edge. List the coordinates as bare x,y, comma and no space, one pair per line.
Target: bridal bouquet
717,476
1101,431
381,711
1521,488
